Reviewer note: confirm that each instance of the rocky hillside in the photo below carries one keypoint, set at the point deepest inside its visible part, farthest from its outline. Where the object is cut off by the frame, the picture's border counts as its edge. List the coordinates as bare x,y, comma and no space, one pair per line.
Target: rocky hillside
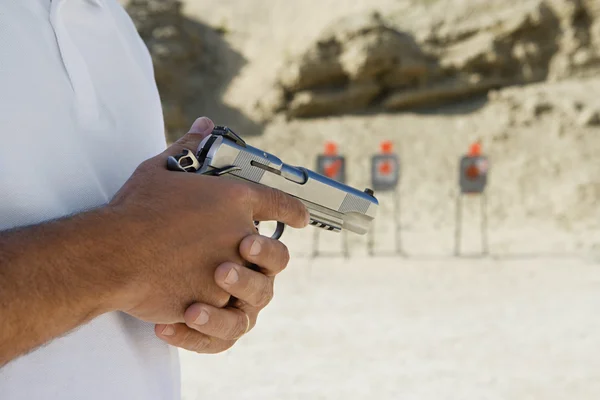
431,76
364,61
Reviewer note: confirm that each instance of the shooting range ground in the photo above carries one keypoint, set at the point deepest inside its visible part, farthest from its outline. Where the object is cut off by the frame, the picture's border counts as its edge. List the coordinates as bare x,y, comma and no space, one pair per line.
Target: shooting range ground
379,328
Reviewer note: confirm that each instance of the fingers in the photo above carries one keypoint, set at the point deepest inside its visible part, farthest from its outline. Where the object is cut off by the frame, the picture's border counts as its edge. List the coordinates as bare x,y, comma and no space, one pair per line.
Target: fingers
201,128
223,323
180,335
273,205
208,329
272,256
249,286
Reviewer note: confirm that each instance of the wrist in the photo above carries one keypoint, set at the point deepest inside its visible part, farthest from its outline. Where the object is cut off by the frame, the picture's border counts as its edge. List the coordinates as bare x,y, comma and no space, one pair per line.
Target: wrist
121,236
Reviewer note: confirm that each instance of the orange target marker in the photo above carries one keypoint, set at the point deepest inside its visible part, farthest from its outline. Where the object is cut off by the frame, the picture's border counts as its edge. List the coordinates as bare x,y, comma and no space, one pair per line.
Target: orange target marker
333,169
385,168
475,149
330,149
472,172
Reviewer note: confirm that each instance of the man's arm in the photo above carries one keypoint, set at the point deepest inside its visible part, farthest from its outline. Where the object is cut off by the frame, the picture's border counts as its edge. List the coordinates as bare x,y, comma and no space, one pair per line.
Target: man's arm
55,277
152,252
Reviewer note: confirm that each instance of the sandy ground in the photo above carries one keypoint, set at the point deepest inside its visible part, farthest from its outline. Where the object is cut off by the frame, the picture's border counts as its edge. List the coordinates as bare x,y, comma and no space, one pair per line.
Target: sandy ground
391,328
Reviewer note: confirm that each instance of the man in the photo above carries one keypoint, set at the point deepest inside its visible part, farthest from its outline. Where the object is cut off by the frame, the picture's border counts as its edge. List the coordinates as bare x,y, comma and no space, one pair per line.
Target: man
96,244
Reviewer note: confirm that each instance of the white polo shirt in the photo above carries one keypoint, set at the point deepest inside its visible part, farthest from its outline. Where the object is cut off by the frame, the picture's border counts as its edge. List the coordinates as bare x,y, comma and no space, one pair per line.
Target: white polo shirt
79,110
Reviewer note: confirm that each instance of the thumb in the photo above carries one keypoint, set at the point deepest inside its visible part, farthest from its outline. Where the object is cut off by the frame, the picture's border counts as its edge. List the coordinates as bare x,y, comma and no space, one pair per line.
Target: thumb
200,129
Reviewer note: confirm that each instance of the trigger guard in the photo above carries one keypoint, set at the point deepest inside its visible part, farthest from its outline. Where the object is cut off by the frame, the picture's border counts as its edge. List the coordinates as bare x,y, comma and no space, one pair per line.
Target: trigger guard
278,230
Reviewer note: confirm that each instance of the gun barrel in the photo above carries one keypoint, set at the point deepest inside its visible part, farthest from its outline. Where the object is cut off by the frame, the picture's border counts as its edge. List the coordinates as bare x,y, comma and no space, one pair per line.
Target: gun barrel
332,205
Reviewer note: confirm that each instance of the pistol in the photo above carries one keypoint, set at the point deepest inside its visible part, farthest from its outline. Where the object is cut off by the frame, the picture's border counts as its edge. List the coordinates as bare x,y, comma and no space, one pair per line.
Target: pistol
332,205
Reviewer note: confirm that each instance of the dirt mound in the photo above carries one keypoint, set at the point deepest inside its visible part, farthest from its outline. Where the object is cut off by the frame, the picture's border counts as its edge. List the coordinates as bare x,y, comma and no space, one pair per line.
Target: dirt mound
363,60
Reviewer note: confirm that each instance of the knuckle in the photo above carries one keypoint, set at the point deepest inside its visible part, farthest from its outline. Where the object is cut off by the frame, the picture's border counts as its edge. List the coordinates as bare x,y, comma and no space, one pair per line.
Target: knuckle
200,343
218,328
281,203
265,296
187,338
240,326
222,299
146,166
241,193
278,255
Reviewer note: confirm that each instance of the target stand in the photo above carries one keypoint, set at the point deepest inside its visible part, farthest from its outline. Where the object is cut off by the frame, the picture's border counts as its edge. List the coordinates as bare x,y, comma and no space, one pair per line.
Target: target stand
385,176
473,172
316,253
333,166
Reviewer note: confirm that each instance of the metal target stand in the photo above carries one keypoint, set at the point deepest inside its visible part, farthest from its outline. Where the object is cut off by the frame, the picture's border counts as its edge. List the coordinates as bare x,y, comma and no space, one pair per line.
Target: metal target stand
387,181
396,198
473,172
345,248
483,224
324,160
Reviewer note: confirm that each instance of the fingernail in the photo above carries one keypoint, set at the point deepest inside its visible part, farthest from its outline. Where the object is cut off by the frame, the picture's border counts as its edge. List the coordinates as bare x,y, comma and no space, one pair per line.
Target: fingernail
168,331
255,248
232,277
201,125
202,318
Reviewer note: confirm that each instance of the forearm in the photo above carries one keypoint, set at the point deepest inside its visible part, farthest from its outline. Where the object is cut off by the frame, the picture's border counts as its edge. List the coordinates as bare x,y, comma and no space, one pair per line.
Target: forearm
54,277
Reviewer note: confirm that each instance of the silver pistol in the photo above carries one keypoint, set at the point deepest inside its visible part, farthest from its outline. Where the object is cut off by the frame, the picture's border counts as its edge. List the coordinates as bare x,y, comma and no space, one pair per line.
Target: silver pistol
332,205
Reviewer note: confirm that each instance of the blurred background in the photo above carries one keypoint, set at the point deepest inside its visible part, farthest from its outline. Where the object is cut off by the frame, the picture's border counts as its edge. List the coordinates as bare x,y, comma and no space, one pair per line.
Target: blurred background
433,77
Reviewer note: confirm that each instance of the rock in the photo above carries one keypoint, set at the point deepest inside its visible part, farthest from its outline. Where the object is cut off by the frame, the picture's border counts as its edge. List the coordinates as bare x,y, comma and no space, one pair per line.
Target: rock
439,94
472,54
570,108
457,61
381,52
583,57
535,107
319,66
408,73
350,64
272,102
595,36
311,103
589,117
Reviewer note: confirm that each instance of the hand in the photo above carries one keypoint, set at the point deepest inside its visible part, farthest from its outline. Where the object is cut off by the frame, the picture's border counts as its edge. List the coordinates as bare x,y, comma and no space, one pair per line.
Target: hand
210,329
180,227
